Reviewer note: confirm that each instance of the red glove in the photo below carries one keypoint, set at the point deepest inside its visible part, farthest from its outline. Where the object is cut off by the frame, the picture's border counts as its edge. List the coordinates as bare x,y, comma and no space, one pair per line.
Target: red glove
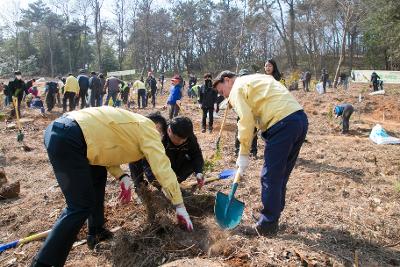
183,217
200,180
126,184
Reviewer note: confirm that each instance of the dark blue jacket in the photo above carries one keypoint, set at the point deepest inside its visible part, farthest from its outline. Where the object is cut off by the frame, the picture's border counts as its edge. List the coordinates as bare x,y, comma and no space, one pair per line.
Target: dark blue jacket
175,94
83,81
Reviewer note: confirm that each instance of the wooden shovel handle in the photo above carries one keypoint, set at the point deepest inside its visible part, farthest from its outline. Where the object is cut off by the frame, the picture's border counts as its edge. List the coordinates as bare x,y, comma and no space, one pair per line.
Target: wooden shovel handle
223,121
207,180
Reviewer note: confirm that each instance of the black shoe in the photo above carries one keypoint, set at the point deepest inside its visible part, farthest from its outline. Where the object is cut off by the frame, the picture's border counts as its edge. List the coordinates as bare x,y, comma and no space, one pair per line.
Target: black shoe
93,240
210,130
203,130
36,263
266,228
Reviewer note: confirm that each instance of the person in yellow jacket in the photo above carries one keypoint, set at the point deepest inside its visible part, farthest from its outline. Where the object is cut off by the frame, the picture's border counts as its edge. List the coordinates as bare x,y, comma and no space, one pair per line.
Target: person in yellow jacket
71,90
82,146
140,87
261,101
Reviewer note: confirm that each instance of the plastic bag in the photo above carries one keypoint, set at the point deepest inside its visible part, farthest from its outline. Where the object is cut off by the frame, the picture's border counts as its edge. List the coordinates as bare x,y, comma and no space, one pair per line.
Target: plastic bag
320,88
379,135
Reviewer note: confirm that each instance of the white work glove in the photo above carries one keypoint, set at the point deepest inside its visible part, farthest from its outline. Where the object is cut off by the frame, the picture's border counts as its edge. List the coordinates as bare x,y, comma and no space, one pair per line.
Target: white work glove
200,180
242,163
126,185
183,217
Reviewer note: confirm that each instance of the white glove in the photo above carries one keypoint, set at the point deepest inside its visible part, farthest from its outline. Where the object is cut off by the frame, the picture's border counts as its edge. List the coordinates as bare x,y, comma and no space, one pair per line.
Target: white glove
242,162
200,180
126,185
183,217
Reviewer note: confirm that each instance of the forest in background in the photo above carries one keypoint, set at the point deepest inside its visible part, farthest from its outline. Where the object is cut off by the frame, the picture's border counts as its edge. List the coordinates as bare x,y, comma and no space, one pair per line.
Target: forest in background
55,37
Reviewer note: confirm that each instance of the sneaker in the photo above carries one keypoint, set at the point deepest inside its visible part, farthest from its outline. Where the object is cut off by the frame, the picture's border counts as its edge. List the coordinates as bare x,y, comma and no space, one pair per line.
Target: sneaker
203,130
210,130
93,240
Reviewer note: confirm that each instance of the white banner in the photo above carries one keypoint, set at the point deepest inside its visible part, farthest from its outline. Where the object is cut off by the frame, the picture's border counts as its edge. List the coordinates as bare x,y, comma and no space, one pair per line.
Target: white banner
364,76
121,73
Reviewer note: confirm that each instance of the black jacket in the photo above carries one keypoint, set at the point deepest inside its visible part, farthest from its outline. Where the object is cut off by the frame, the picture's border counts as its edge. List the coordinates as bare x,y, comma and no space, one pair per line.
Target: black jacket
151,81
185,154
95,86
17,88
208,96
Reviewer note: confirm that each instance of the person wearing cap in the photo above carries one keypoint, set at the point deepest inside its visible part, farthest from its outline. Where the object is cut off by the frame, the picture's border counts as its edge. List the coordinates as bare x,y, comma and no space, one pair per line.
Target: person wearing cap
207,100
261,101
81,158
16,88
345,111
175,95
71,90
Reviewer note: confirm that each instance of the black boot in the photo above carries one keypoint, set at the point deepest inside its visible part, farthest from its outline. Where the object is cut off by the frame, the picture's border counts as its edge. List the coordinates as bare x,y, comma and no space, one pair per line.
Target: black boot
36,263
93,240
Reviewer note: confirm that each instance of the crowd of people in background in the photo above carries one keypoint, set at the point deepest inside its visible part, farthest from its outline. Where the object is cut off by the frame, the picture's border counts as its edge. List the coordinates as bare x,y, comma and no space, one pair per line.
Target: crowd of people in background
95,90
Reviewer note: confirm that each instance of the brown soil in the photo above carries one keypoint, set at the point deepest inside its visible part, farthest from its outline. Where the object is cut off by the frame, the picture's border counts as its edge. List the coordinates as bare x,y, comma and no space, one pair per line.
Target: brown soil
342,204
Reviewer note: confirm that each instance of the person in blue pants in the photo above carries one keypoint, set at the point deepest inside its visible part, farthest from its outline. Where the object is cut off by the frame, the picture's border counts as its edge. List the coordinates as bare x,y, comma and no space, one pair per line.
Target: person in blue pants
262,102
81,158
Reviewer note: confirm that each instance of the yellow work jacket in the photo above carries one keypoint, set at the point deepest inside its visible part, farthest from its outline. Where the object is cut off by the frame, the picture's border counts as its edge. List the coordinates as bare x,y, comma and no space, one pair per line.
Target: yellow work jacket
260,101
71,85
138,85
116,136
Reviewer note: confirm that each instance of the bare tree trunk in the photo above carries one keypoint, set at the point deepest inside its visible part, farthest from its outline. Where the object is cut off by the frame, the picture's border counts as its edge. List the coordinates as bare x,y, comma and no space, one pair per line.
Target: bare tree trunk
98,29
51,53
343,48
292,23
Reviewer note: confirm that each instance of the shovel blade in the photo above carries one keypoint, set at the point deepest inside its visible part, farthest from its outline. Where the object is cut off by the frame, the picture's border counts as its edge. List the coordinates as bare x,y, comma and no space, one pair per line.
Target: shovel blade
228,213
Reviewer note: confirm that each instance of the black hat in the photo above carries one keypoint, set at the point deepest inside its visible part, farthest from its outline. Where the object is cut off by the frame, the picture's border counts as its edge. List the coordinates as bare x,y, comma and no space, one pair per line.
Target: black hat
93,73
17,72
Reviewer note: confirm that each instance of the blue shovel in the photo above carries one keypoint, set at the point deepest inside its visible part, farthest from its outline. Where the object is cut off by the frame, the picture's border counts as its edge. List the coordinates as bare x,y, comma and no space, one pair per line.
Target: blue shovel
228,210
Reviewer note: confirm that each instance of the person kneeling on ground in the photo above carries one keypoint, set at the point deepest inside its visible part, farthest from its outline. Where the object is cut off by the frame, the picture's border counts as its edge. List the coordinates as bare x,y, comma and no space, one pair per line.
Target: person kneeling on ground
81,157
344,110
181,147
283,123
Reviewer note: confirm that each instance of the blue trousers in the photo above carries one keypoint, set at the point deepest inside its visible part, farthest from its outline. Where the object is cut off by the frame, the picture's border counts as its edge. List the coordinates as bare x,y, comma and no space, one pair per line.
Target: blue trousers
112,95
282,146
82,184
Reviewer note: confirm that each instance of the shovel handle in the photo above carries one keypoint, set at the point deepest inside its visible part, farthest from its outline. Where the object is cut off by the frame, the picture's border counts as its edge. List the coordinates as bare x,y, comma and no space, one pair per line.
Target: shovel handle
237,178
222,125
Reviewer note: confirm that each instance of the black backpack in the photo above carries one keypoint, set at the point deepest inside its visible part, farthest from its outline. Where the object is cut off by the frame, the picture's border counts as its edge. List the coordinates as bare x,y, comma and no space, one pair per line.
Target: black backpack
52,88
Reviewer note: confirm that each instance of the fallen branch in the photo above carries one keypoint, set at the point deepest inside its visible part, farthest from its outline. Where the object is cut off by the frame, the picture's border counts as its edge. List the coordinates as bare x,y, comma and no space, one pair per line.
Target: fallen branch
392,245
